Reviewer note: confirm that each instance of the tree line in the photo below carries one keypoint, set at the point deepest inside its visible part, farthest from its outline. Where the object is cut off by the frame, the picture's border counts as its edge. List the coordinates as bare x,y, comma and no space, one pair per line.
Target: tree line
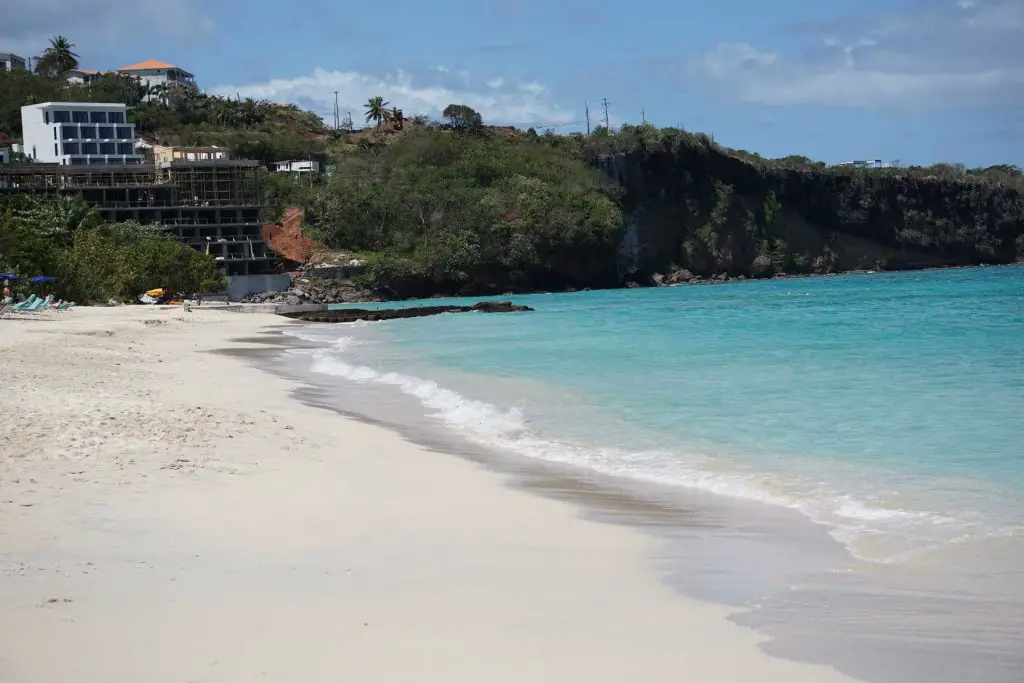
94,261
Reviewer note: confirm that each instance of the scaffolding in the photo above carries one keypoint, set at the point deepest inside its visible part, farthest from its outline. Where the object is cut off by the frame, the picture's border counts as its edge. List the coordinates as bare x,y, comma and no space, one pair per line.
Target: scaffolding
212,205
218,182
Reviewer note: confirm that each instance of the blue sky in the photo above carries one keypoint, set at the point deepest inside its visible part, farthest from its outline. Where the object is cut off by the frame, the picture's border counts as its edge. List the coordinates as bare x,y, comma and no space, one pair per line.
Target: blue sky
921,81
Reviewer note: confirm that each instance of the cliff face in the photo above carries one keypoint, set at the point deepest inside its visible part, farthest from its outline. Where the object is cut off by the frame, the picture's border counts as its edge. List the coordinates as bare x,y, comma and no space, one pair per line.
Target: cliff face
699,209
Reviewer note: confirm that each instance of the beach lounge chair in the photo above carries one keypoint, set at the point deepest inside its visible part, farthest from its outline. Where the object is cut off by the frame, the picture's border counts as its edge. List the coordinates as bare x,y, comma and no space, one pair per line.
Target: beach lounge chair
66,305
26,303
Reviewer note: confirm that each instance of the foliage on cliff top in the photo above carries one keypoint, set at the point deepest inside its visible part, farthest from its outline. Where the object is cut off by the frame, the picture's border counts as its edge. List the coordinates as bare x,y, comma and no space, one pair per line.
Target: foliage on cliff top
454,213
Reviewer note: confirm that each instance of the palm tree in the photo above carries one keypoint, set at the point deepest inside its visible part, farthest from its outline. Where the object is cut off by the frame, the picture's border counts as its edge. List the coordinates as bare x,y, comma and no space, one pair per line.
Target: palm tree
71,214
59,58
377,110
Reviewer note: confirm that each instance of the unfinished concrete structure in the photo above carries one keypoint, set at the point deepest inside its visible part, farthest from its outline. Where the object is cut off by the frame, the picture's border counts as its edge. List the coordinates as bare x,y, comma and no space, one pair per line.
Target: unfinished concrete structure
214,206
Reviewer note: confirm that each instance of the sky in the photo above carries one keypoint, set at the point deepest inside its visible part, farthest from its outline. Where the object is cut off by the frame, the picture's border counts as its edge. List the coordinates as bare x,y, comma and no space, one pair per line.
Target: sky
918,81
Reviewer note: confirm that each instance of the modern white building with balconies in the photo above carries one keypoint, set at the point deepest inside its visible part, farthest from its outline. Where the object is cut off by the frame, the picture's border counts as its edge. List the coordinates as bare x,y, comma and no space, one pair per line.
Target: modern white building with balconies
79,133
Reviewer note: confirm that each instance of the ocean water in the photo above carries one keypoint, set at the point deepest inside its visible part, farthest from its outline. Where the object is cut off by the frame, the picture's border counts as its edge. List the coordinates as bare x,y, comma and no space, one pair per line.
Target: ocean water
887,408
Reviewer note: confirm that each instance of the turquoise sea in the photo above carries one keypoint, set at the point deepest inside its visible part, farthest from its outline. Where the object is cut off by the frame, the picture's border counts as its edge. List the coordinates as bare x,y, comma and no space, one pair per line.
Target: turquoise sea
886,408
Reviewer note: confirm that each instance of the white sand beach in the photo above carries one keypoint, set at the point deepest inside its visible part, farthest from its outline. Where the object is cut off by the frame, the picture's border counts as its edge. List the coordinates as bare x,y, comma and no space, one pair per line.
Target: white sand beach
168,514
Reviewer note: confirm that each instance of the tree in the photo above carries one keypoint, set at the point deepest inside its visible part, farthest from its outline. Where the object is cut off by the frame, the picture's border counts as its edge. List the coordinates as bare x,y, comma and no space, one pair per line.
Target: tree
59,58
377,110
398,118
463,118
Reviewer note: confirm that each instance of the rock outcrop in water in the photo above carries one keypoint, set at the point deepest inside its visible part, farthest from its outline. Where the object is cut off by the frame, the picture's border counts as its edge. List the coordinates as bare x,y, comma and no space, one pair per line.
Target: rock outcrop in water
348,315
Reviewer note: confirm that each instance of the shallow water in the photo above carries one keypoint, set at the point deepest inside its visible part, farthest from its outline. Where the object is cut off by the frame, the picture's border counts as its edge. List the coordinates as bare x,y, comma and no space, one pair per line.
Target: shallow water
883,407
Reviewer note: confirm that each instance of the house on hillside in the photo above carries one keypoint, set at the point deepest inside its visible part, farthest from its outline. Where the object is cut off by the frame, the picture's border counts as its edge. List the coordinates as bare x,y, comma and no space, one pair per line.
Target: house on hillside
875,163
297,166
12,62
152,73
80,76
164,155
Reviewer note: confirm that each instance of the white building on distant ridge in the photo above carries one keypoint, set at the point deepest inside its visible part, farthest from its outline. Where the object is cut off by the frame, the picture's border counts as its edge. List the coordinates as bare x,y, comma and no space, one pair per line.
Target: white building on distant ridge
79,133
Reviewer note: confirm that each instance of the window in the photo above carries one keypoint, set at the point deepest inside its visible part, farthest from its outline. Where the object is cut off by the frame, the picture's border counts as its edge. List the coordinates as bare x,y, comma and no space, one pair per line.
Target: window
89,148
124,132
94,162
108,148
125,148
46,117
88,132
80,116
78,161
115,117
54,132
97,117
72,148
106,132
55,152
68,132
62,117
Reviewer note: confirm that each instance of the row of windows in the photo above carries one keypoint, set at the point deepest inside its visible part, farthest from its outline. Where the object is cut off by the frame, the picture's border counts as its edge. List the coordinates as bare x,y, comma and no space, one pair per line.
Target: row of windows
97,148
89,132
84,117
99,161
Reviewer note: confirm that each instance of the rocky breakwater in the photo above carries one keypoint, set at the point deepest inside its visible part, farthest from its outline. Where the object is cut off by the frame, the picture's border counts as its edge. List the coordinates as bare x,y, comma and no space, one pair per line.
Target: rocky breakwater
348,315
316,291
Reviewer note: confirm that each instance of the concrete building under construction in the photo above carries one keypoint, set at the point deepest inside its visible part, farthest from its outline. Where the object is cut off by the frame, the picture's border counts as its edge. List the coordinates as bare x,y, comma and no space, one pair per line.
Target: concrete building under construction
213,205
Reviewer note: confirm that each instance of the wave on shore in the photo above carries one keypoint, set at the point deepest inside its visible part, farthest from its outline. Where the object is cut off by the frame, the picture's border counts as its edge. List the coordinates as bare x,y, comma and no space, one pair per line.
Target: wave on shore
869,528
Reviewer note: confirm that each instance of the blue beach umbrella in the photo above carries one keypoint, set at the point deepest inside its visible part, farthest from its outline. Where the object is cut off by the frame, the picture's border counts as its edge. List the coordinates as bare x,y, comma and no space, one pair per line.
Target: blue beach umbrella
42,278
10,276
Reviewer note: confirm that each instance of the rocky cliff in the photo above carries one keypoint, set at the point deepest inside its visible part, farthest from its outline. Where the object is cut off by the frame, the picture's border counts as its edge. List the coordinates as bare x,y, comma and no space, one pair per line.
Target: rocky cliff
697,207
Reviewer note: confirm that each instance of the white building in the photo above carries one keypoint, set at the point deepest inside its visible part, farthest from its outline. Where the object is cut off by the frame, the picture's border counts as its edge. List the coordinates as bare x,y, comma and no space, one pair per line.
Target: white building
297,166
80,76
152,72
79,133
874,163
11,62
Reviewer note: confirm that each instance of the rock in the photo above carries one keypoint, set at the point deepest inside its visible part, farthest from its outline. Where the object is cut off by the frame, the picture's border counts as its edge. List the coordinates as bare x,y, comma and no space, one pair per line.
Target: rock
352,314
632,285
293,300
499,307
761,267
658,280
722,277
678,277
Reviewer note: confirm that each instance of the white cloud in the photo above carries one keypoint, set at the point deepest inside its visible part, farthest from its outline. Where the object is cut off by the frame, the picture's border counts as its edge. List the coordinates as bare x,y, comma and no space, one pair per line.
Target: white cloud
99,26
957,53
495,82
524,103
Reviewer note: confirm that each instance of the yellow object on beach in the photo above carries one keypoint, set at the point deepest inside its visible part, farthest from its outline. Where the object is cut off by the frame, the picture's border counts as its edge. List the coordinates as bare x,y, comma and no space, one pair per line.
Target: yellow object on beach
155,292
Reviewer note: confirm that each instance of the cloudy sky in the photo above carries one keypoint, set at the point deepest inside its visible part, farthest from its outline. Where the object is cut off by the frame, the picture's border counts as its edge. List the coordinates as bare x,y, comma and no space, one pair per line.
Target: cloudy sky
917,80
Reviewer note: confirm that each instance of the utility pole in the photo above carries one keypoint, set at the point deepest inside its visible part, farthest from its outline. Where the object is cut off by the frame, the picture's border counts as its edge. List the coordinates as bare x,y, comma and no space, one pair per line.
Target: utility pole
337,115
604,103
643,115
586,108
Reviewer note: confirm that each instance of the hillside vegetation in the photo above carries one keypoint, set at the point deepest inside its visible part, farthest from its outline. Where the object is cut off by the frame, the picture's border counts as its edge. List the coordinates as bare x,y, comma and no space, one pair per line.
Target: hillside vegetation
461,207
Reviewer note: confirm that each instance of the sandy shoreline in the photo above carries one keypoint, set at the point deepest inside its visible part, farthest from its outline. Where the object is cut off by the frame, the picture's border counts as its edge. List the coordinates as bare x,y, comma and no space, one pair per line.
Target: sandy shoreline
168,514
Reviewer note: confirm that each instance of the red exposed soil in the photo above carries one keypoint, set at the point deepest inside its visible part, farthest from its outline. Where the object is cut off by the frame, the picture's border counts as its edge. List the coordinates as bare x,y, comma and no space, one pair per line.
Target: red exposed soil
286,239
